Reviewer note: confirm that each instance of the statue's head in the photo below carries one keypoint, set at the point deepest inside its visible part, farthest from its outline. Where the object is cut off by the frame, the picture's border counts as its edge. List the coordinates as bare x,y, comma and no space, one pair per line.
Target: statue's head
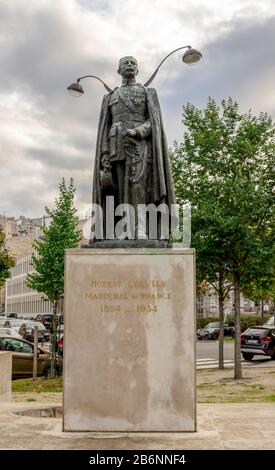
128,67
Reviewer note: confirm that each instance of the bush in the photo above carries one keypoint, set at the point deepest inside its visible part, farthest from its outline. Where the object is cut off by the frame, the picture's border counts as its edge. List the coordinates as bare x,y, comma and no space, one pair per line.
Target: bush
202,321
247,320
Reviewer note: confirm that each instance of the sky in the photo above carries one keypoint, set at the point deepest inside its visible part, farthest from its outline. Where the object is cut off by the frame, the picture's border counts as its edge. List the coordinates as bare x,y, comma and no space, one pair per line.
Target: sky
46,135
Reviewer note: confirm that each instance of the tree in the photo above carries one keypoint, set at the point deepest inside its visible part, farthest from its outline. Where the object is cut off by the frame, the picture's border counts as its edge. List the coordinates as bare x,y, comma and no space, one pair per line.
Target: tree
6,260
263,289
223,168
48,257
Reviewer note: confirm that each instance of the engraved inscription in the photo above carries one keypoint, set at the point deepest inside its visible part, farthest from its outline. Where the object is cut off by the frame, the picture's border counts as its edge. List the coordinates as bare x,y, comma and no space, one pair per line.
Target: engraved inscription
134,295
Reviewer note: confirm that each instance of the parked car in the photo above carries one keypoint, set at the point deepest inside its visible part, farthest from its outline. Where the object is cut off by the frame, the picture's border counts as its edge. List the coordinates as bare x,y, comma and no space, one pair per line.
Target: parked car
2,321
10,332
12,315
270,321
212,331
43,334
26,329
258,340
47,319
22,357
14,323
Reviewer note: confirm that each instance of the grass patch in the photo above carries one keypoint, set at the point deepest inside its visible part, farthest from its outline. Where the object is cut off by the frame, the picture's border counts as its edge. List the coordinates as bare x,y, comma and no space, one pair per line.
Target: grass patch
256,386
228,339
206,386
270,398
41,385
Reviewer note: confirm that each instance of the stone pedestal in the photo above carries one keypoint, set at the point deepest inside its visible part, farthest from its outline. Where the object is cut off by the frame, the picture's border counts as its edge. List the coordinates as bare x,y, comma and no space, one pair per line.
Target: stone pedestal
5,375
129,340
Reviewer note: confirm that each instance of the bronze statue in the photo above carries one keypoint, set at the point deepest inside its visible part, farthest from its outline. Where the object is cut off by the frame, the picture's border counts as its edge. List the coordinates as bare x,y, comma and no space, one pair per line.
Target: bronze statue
132,159
132,165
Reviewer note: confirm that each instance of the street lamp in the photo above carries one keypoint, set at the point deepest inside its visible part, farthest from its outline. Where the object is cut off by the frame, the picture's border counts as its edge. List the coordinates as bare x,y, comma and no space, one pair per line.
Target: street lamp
190,57
76,90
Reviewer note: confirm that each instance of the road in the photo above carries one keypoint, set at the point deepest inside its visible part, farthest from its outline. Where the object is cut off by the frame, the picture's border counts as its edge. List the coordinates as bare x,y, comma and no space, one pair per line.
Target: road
208,356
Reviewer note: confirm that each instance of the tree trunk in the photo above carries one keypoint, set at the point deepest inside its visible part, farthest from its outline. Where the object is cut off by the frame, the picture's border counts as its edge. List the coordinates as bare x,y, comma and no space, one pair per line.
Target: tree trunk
35,352
237,349
262,312
221,316
53,356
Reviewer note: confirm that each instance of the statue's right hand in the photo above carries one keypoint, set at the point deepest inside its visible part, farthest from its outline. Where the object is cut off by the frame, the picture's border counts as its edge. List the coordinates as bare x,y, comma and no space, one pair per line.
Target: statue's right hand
129,133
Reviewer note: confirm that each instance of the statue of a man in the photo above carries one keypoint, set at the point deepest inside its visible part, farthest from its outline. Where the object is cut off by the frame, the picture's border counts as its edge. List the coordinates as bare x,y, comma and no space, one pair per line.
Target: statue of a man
132,161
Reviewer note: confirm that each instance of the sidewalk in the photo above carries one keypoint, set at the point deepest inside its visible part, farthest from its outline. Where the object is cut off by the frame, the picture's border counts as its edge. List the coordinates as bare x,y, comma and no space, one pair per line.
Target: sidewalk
220,426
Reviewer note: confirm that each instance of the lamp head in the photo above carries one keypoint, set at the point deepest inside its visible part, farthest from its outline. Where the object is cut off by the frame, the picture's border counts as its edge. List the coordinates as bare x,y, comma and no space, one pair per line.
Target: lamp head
75,89
191,56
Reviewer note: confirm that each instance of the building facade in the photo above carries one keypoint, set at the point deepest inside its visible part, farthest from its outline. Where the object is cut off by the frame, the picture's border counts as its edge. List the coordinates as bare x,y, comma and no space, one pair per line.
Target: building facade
20,236
208,303
19,297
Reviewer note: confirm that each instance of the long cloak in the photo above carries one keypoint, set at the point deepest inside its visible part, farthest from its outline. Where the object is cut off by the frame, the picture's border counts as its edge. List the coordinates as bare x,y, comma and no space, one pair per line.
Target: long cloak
162,182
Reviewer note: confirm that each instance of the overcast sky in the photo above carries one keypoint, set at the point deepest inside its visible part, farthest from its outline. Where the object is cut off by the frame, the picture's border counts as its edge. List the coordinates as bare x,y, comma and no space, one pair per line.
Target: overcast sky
45,134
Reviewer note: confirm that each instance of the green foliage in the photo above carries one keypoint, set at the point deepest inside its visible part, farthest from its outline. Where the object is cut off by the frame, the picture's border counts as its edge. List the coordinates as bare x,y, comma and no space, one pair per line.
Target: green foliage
62,233
224,169
247,320
203,321
6,260
263,290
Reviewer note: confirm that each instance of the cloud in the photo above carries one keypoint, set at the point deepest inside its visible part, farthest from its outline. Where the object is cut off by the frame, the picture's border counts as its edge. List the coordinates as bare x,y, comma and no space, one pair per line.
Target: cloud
46,135
238,64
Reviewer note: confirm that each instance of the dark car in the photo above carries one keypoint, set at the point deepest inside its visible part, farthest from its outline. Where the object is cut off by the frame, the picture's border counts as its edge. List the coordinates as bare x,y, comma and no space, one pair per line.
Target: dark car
212,331
258,340
47,319
12,315
22,357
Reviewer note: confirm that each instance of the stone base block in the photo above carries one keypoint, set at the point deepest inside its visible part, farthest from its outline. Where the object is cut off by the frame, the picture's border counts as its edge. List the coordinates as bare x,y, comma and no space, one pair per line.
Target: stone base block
129,340
5,376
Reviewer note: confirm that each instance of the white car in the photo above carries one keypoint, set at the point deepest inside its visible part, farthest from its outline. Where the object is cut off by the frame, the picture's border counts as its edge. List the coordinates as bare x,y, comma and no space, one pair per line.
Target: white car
10,332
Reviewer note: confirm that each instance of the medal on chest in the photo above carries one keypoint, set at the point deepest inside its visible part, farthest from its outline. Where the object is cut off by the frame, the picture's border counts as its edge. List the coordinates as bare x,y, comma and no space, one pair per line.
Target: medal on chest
131,99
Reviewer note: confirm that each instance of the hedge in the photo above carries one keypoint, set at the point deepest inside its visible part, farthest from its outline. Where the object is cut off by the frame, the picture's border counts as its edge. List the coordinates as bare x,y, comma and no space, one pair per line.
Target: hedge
247,320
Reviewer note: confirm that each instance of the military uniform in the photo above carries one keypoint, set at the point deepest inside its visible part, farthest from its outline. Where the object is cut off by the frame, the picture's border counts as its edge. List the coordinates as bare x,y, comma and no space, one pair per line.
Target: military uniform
130,157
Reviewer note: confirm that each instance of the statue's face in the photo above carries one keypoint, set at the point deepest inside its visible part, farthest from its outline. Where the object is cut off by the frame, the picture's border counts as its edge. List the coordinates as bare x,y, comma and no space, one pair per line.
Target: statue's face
128,67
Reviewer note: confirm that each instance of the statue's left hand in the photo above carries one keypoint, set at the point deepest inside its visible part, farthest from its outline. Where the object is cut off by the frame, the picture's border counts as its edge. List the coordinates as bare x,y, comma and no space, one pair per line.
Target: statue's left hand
129,133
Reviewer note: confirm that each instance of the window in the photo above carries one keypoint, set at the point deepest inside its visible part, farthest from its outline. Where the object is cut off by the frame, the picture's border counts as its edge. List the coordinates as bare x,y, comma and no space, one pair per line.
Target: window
16,345
261,332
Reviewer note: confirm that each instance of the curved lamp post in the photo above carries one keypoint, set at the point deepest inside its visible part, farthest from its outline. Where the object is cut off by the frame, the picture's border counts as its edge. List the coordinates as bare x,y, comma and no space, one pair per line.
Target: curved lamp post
190,57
